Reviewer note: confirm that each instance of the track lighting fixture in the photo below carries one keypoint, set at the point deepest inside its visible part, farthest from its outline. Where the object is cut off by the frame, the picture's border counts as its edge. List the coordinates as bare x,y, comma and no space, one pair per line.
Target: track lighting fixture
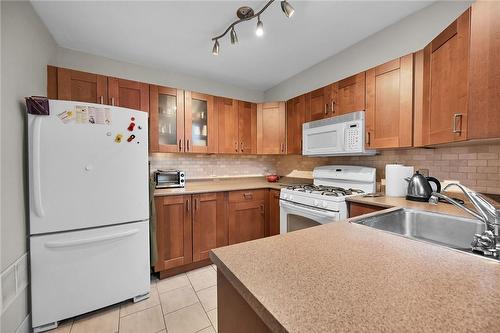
215,49
245,14
234,37
260,27
287,8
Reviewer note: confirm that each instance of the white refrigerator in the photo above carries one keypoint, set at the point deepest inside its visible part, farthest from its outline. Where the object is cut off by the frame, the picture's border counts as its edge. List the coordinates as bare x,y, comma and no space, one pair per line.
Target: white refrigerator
88,209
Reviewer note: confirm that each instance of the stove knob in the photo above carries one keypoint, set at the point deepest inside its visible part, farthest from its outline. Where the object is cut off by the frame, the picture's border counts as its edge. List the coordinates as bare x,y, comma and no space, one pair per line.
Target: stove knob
324,204
315,203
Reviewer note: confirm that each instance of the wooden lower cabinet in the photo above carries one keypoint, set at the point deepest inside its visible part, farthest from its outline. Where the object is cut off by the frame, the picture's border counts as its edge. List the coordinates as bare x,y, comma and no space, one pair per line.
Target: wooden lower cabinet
274,212
357,209
209,223
246,215
173,231
189,226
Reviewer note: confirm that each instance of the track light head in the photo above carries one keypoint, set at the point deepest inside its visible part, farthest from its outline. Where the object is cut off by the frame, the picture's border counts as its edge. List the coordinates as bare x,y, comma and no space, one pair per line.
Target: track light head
215,49
287,8
234,37
260,28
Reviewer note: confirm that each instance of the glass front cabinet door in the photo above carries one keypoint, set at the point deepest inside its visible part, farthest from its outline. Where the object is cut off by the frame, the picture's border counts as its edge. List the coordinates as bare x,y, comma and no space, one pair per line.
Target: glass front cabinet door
200,123
166,120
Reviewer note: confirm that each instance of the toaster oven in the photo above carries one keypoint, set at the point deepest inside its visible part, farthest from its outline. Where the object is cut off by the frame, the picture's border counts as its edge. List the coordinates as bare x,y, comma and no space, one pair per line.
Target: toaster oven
170,178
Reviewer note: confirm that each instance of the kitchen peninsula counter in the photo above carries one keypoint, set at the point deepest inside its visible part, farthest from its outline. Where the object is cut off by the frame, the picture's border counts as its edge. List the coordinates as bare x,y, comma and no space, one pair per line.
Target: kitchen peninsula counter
345,277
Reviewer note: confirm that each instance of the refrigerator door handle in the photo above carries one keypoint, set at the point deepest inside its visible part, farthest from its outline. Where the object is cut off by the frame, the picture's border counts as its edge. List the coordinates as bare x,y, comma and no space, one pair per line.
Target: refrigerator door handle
86,241
37,186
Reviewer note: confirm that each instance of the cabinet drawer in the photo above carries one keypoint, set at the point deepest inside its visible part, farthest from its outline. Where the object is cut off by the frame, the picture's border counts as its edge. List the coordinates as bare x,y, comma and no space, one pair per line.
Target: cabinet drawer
249,195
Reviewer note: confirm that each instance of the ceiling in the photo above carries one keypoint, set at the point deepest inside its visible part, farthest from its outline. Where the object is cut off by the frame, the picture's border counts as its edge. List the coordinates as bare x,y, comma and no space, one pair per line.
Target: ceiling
176,35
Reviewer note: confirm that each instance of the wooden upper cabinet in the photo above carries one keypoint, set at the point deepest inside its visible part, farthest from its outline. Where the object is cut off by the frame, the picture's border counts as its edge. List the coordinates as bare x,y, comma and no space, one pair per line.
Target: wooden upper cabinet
350,95
295,117
200,123
227,112
446,84
166,119
484,99
173,231
247,127
271,128
71,85
318,103
128,94
389,105
209,223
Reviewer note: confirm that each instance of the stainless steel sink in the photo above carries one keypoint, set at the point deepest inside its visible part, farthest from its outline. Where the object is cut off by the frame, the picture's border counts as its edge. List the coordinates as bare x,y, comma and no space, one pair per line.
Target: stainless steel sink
450,231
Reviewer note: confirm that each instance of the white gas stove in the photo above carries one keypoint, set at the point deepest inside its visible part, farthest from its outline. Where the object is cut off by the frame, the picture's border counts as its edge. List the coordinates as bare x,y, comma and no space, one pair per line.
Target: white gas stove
306,205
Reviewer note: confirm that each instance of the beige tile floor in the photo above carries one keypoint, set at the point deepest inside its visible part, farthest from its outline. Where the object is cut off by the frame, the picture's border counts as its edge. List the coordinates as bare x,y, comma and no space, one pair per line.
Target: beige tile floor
185,303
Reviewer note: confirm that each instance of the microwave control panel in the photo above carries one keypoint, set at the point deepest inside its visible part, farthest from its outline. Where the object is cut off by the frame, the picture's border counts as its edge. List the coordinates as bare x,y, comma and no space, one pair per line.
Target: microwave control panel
353,137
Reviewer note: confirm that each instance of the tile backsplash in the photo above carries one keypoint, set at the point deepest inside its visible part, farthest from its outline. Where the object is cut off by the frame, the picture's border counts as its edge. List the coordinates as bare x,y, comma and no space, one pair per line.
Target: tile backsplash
476,166
211,166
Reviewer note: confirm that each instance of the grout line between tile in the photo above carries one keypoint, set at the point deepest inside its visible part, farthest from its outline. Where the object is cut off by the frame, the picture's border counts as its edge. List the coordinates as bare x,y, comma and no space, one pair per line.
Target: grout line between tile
199,301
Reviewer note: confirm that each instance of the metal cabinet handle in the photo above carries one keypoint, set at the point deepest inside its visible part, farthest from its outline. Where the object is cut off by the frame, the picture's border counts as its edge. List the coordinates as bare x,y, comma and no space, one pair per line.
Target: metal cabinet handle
368,137
112,101
101,99
242,147
333,106
187,145
248,195
236,146
180,144
326,108
282,147
262,210
187,205
455,117
196,204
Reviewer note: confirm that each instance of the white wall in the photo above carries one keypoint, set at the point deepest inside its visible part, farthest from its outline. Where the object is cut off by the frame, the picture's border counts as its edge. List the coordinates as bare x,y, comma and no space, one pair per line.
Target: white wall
408,35
26,48
102,65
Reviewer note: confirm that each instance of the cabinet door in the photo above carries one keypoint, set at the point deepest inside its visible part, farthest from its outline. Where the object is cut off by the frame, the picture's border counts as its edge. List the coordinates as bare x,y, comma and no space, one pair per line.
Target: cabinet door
173,231
318,103
271,128
71,85
350,95
484,99
166,119
247,127
200,123
209,224
274,212
128,94
446,65
246,221
295,117
389,105
227,113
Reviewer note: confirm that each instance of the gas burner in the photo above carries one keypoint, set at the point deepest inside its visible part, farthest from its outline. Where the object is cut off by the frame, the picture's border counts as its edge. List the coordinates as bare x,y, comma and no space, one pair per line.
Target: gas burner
323,190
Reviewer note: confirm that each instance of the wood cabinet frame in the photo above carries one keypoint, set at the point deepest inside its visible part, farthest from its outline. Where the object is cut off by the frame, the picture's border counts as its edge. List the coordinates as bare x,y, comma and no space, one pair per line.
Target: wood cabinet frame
154,144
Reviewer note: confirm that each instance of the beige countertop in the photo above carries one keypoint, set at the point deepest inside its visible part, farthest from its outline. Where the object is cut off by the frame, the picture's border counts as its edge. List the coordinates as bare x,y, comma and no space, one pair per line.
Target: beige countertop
388,202
228,184
343,277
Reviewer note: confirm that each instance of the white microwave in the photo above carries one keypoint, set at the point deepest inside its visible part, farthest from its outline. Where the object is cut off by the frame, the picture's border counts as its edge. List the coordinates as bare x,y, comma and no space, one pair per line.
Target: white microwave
337,136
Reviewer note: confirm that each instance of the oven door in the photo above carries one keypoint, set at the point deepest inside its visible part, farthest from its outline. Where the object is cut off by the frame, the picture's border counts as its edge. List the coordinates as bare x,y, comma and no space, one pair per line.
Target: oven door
295,216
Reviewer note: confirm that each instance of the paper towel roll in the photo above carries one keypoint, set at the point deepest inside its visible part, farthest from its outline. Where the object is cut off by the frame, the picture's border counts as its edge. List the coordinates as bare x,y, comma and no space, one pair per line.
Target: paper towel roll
395,183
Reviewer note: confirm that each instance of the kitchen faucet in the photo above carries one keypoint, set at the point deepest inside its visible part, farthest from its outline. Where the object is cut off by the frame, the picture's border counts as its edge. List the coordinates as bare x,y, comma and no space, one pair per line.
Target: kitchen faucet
489,241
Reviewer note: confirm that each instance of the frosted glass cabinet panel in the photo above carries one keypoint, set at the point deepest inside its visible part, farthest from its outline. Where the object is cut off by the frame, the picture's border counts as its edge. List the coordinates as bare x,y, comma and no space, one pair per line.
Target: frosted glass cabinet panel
166,119
200,123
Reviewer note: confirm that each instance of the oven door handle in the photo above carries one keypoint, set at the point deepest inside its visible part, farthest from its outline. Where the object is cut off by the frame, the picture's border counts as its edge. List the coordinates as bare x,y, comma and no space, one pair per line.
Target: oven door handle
310,210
